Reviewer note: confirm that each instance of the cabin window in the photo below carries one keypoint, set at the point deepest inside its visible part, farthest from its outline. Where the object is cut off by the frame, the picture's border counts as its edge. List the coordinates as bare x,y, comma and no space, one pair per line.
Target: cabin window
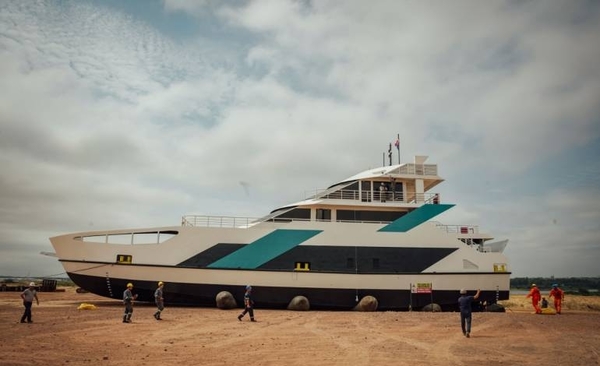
350,263
297,213
375,263
365,191
323,214
153,237
396,191
353,186
368,216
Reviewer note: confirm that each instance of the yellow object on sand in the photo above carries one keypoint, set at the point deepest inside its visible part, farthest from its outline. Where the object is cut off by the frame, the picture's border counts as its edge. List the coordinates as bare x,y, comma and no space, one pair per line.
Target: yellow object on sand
85,306
548,311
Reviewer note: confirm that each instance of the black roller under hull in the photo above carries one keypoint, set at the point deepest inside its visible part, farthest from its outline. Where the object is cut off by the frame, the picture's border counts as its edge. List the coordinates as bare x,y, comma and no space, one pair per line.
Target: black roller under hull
277,297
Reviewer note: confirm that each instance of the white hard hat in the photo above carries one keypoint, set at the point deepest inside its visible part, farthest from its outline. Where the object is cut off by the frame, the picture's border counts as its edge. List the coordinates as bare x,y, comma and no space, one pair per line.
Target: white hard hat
463,291
32,284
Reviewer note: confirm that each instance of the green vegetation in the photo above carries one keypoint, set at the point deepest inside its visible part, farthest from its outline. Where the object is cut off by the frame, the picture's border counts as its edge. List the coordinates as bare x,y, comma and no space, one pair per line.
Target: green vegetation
65,282
586,286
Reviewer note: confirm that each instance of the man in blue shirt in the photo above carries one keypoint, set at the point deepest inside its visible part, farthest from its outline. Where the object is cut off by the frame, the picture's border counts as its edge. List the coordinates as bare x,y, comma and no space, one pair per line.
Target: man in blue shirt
248,305
464,303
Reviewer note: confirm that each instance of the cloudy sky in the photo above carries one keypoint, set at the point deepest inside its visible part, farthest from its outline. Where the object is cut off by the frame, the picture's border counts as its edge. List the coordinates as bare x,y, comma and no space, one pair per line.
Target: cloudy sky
121,114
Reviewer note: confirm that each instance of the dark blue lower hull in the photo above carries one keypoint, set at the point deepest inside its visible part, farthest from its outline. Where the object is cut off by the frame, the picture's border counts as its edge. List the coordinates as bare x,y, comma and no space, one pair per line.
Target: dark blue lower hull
277,297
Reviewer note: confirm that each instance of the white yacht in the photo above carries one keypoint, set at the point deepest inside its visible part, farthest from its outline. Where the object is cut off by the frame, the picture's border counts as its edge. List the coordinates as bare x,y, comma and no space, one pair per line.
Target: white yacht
369,234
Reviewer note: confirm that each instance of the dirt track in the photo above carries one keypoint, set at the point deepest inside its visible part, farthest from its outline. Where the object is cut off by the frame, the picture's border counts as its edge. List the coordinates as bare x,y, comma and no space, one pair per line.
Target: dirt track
63,335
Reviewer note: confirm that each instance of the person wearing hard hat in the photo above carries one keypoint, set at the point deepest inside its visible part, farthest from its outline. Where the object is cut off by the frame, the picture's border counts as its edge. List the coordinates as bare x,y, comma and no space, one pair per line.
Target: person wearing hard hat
248,304
28,295
464,304
535,295
559,296
159,300
128,298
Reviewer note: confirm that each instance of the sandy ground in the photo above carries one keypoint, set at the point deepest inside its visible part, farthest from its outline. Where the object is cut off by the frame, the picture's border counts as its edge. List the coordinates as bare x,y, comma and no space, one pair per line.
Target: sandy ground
63,335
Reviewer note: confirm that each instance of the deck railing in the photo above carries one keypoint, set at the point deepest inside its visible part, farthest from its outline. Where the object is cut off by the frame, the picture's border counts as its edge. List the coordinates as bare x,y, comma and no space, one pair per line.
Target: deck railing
458,229
418,169
218,221
245,222
373,196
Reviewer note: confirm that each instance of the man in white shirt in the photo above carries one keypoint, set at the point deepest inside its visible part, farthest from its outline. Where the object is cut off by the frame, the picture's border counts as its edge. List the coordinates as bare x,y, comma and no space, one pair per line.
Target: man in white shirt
28,295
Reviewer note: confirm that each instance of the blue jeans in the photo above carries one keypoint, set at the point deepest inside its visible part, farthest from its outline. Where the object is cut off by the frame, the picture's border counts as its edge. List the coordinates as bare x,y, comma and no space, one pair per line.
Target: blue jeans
27,313
465,322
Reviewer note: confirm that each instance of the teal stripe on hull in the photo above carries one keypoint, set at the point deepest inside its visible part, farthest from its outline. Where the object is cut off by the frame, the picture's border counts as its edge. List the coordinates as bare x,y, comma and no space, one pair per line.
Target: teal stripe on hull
415,218
261,251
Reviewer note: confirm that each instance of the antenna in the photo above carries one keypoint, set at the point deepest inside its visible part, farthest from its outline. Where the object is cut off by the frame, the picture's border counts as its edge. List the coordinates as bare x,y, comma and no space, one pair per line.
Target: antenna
397,144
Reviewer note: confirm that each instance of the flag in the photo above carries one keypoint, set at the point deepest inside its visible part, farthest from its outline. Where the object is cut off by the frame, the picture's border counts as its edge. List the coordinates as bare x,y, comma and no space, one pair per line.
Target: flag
397,143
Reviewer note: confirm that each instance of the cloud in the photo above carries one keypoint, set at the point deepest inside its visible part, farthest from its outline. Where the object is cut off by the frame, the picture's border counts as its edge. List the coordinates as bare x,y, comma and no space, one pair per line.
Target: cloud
110,120
506,91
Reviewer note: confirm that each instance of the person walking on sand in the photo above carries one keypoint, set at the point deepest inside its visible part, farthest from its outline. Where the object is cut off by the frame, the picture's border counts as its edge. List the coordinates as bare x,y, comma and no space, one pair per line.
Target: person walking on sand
535,295
128,298
159,300
28,295
248,304
464,304
559,296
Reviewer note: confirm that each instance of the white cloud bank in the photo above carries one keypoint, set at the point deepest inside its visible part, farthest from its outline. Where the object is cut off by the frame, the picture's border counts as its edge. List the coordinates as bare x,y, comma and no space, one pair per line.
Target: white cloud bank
108,122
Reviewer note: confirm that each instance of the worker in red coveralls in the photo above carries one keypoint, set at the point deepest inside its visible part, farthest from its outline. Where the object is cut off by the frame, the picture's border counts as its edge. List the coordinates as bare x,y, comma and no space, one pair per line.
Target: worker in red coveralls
559,296
535,295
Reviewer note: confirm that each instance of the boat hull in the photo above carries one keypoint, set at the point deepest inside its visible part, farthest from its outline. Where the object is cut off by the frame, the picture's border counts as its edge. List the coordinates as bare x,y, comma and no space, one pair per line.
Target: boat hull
185,287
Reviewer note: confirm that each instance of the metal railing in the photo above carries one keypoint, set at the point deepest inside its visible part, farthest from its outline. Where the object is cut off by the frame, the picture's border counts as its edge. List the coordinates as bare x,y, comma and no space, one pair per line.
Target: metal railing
218,221
373,196
458,229
418,169
246,222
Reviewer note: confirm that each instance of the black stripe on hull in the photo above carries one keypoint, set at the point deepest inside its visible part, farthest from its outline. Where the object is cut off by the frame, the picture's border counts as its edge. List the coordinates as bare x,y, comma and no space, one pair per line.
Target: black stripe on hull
340,259
276,297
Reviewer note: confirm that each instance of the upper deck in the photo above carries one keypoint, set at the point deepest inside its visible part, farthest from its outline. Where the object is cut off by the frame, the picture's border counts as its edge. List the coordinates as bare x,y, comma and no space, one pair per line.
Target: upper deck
377,195
401,187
